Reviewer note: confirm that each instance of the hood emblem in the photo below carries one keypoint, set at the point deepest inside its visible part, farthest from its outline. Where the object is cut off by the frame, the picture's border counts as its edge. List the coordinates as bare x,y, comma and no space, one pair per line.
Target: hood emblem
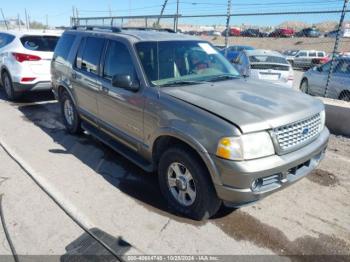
305,131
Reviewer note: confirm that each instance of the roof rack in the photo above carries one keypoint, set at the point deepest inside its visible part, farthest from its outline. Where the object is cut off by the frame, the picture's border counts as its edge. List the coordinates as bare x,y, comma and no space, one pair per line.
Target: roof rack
97,28
115,29
149,29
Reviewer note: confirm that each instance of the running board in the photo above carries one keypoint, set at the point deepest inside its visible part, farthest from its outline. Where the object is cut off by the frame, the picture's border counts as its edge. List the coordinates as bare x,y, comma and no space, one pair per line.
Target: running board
118,147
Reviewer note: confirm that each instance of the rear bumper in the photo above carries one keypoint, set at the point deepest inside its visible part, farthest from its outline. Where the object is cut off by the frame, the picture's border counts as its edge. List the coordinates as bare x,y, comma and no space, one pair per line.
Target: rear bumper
39,86
274,173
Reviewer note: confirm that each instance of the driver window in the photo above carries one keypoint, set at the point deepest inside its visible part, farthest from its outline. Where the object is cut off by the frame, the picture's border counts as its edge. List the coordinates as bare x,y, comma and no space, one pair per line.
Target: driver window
118,61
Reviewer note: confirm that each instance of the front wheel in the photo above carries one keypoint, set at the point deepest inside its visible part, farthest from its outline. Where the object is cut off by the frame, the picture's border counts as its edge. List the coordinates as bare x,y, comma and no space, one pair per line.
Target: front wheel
70,115
345,96
186,184
304,86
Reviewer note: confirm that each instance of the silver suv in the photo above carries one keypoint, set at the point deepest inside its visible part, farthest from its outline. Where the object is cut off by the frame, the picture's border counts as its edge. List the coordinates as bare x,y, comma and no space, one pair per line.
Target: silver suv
173,104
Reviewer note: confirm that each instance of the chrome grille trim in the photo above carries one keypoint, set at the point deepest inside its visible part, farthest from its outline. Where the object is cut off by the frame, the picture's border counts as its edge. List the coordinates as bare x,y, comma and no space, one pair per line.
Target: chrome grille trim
294,135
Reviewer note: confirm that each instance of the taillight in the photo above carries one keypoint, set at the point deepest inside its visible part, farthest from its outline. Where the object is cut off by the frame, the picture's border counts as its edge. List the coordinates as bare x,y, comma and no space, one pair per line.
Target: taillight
25,57
27,79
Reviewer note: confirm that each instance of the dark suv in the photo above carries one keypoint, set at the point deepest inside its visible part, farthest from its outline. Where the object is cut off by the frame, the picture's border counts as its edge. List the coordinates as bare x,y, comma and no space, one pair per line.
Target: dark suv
172,103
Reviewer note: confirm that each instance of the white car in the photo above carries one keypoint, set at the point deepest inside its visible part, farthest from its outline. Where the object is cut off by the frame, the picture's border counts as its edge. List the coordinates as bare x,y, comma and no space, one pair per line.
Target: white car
265,65
25,58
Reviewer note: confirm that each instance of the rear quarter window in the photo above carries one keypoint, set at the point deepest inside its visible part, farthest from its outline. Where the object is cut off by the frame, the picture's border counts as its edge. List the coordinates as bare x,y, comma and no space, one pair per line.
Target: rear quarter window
39,43
64,45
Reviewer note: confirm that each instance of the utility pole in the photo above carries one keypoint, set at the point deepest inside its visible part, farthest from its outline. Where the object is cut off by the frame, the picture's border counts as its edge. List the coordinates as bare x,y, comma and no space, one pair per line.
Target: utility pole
73,16
162,11
47,22
26,17
335,50
2,13
177,15
110,10
227,25
19,22
77,16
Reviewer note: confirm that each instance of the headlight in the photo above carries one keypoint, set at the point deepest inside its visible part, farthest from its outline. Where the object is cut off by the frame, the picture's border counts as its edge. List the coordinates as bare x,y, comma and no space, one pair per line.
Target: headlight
323,119
245,147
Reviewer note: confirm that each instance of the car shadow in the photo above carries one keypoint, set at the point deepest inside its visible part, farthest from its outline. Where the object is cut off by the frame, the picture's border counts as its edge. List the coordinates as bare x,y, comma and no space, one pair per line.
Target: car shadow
114,168
30,97
86,248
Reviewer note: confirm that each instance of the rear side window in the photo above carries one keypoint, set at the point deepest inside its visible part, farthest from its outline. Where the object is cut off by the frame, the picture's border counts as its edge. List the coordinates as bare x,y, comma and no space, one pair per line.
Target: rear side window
5,39
312,54
88,58
320,54
64,45
39,42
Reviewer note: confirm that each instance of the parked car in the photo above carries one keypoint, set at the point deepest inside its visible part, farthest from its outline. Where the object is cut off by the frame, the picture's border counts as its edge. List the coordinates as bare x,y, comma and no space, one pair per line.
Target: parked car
282,32
234,31
343,33
25,59
309,32
308,58
234,50
171,103
251,33
290,55
265,65
314,81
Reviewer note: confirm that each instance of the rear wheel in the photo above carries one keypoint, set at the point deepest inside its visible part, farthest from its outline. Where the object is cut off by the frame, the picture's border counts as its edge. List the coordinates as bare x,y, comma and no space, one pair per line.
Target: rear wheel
8,86
186,184
304,86
69,113
345,96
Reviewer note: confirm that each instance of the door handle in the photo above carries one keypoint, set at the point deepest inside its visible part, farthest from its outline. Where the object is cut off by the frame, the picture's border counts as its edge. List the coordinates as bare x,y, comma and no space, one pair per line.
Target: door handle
74,75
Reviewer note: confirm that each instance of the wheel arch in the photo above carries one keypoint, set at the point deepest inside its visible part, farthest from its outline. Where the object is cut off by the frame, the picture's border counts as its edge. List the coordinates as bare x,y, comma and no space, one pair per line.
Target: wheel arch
171,137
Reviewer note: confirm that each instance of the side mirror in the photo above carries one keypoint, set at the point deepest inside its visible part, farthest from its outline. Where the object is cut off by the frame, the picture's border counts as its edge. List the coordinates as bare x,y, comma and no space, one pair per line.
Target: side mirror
126,82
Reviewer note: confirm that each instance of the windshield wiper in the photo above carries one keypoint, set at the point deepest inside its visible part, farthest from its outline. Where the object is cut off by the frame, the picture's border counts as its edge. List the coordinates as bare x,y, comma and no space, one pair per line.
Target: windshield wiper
181,83
222,77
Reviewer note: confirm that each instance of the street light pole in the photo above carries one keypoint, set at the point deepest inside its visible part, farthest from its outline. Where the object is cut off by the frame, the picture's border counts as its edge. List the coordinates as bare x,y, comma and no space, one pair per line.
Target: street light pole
227,25
335,50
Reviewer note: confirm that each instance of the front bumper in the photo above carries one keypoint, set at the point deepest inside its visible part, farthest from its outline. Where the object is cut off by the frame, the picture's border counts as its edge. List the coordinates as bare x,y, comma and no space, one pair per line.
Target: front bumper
38,86
273,173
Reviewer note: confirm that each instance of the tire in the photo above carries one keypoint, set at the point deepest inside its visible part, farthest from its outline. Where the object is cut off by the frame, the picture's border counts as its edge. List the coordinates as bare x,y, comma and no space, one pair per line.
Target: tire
345,96
204,203
304,86
8,87
70,114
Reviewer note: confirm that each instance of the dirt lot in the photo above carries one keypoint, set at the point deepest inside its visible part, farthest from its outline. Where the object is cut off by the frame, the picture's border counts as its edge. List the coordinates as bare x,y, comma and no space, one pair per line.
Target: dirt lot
109,194
280,44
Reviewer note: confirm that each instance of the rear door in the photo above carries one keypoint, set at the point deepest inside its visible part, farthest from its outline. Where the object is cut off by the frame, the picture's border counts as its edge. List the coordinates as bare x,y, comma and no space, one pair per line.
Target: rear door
318,80
340,79
85,74
300,59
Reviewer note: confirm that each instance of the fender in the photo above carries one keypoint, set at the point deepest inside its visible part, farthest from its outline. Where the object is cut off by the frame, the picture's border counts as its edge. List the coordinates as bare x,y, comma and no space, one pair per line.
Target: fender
192,142
66,87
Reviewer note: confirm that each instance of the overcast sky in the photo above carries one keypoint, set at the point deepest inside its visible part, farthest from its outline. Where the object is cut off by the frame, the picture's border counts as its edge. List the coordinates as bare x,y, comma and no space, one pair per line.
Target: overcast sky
60,11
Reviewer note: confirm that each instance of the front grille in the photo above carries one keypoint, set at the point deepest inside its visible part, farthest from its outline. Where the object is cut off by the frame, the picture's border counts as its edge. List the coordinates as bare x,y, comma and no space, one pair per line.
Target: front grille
293,135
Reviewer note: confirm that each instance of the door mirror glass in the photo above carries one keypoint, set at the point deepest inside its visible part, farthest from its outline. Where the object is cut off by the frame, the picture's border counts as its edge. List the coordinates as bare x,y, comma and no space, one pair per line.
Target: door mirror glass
126,82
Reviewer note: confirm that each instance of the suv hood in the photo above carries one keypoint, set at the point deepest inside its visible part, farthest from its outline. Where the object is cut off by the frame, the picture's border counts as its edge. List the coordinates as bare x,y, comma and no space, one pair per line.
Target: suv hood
251,105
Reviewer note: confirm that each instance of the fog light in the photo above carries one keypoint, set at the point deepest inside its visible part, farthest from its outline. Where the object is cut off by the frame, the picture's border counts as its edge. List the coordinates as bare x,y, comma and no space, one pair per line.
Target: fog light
256,184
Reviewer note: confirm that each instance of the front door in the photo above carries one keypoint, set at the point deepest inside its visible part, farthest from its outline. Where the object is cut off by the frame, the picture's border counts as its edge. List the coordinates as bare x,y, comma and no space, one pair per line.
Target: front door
120,110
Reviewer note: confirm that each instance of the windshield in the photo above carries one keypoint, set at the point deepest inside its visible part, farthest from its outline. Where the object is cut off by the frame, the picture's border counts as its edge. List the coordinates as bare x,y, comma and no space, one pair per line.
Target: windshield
267,59
182,61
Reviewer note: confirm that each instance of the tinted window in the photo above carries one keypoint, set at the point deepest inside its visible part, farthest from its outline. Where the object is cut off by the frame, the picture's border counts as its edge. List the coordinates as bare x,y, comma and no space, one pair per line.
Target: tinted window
326,67
320,54
64,45
343,67
39,43
118,61
301,54
5,39
312,54
267,59
90,55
